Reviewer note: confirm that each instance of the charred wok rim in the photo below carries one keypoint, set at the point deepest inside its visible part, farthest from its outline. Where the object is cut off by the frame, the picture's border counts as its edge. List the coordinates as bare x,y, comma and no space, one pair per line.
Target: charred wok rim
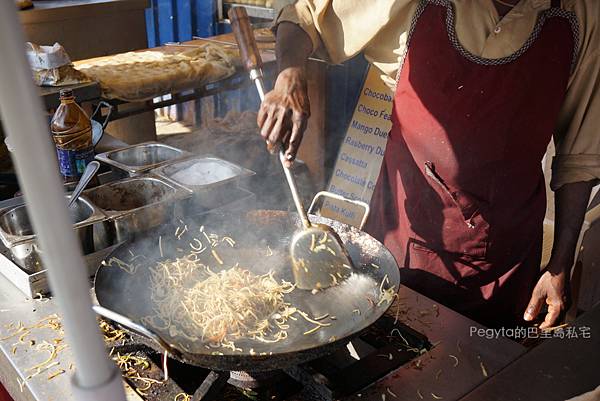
246,362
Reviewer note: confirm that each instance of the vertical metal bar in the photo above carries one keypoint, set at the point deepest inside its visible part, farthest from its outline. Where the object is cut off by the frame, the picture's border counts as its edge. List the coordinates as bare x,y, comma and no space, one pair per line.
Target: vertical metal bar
155,7
194,17
174,21
150,27
184,20
197,112
206,18
37,170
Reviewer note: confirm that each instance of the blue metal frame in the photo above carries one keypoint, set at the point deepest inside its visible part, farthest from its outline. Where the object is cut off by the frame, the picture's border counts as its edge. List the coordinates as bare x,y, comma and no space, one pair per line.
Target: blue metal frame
179,20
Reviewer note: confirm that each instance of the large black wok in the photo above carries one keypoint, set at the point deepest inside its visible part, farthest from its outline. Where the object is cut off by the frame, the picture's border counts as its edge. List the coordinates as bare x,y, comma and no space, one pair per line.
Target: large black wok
355,303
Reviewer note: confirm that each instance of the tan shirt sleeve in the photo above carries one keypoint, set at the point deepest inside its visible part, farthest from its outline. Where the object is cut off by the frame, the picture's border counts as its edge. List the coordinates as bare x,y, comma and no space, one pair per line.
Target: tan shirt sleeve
300,14
339,29
577,136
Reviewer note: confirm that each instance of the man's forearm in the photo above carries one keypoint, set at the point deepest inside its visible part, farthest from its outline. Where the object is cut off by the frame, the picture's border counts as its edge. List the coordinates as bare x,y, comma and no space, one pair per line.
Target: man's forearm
294,46
552,288
571,202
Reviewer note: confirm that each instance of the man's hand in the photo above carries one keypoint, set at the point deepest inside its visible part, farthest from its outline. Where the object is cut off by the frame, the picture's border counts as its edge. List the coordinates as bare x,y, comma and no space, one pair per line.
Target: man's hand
553,287
284,113
552,290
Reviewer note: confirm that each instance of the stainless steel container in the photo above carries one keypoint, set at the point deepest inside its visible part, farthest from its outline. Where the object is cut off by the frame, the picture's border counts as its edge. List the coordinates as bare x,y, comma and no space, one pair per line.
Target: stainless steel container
17,233
137,159
212,180
136,204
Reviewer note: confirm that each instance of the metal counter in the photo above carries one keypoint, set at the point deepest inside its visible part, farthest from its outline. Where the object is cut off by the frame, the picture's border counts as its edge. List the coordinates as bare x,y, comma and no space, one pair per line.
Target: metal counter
558,369
453,367
435,373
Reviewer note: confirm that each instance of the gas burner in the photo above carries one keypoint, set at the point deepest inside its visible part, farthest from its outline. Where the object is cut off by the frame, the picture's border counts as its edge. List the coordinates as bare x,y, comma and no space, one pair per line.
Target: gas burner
254,380
378,351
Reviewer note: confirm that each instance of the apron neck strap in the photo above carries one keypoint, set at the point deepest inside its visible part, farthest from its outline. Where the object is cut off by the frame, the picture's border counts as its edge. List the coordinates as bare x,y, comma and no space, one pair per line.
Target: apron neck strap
556,4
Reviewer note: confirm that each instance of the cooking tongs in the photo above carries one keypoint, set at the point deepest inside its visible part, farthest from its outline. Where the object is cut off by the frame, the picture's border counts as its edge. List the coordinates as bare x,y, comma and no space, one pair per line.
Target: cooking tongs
318,255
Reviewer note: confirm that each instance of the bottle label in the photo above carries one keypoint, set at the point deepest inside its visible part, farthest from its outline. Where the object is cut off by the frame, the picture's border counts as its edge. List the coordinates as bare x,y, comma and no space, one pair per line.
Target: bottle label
72,163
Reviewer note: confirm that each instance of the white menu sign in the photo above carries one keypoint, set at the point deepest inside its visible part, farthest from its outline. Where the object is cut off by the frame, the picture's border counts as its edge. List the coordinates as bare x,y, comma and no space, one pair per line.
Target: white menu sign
359,160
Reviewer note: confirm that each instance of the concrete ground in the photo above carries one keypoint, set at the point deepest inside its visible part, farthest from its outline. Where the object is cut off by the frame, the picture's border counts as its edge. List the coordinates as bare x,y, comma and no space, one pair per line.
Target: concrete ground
165,126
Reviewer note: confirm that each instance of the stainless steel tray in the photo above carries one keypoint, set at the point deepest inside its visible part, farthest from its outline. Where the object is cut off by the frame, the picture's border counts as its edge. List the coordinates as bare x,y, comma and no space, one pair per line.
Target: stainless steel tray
135,204
33,283
210,179
138,159
15,227
22,265
20,242
18,237
199,173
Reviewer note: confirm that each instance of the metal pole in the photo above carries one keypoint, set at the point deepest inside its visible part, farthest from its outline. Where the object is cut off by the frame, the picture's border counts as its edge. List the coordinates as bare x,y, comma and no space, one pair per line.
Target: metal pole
96,378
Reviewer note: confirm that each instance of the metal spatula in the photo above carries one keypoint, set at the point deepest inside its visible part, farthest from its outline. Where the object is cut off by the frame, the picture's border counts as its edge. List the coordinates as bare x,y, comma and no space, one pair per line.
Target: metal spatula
319,257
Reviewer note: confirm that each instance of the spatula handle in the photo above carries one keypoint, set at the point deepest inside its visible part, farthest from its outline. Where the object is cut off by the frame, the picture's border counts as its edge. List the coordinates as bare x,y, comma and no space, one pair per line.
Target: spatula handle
294,190
244,36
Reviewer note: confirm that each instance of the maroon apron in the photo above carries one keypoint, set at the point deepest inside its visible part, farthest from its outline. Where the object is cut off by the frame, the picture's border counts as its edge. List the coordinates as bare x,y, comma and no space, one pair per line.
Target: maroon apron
461,198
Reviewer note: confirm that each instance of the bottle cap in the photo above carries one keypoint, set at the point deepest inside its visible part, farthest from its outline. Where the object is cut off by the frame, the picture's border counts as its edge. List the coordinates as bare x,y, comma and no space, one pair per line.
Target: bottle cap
66,93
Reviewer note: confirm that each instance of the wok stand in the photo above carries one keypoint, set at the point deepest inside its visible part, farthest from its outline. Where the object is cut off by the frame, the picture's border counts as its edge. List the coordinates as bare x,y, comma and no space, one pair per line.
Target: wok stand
211,388
325,379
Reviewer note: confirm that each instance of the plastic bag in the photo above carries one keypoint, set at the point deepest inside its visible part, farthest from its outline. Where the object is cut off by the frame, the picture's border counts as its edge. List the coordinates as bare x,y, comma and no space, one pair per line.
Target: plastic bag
51,66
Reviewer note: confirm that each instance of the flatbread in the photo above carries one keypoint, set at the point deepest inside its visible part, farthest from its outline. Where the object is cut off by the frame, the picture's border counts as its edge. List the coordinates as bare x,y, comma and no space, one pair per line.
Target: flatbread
143,75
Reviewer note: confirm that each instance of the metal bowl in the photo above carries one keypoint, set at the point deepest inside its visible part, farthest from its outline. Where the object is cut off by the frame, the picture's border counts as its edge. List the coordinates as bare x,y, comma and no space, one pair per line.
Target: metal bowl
136,204
138,159
17,232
